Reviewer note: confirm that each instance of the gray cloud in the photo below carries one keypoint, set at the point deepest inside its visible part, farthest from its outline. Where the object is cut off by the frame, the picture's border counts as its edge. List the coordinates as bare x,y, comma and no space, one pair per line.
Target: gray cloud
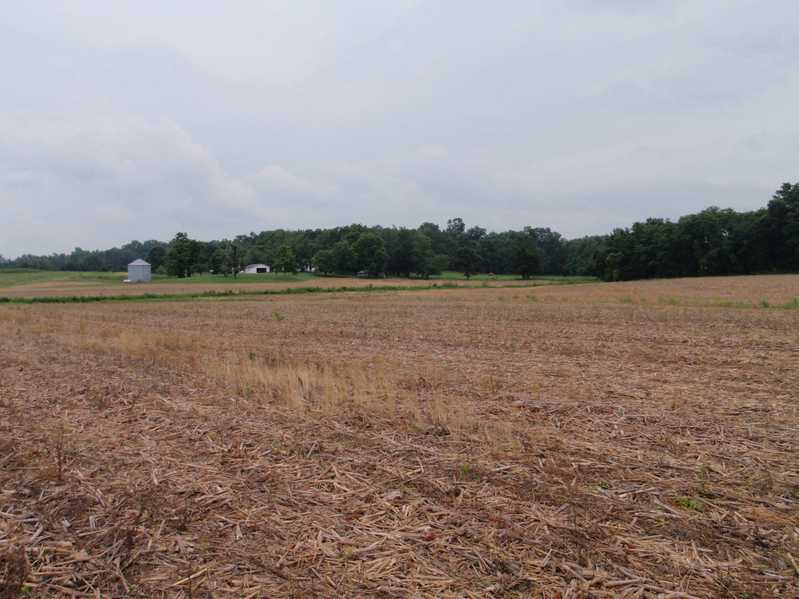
127,120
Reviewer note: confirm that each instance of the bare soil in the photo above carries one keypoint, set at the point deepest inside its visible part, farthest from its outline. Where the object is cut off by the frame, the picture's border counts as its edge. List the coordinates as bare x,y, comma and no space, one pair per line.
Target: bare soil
580,441
94,288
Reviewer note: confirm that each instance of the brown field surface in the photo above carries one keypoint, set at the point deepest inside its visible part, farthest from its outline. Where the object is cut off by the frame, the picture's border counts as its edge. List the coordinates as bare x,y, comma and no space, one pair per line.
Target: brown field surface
602,440
70,288
738,291
99,288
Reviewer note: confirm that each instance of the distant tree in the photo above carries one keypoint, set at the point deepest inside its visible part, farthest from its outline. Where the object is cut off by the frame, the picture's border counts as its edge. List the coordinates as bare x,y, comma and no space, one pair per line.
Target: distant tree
438,238
370,253
714,241
231,258
475,234
156,257
583,256
216,260
178,258
198,257
438,264
783,219
401,249
343,257
526,259
433,264
463,246
422,256
495,251
303,249
551,250
284,259
455,227
325,261
467,260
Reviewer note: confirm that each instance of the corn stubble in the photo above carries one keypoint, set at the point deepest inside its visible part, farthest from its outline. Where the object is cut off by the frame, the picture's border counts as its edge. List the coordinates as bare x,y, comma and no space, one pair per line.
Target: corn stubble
463,443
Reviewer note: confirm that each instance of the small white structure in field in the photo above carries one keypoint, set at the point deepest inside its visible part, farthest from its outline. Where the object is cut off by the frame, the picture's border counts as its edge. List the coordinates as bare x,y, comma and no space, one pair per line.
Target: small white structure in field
138,272
252,269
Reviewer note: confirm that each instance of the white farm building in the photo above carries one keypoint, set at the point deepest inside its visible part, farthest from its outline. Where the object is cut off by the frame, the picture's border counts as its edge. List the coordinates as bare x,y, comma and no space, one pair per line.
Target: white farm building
252,269
139,272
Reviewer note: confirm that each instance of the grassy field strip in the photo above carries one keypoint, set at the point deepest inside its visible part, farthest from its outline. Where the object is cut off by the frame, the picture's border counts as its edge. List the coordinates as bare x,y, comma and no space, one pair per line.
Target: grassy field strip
239,293
14,277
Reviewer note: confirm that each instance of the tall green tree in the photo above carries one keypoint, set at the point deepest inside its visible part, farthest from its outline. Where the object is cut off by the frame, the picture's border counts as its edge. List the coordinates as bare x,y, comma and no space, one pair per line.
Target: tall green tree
438,238
401,251
156,257
284,259
344,258
325,262
232,258
526,259
783,219
370,253
467,259
178,258
551,250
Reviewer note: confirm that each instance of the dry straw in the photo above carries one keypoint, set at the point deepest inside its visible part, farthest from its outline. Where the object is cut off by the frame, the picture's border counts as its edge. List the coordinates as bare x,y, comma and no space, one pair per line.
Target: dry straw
196,451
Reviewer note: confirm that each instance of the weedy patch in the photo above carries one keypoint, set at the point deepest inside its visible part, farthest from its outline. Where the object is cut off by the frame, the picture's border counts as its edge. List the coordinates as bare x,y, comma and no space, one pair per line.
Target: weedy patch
669,301
791,305
690,503
471,472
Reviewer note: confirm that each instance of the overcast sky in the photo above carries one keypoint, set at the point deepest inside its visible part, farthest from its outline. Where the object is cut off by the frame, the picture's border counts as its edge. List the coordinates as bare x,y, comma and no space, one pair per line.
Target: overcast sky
134,120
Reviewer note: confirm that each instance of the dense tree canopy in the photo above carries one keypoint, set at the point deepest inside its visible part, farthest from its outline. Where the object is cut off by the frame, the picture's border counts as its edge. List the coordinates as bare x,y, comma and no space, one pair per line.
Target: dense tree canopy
115,259
526,259
714,241
285,260
370,253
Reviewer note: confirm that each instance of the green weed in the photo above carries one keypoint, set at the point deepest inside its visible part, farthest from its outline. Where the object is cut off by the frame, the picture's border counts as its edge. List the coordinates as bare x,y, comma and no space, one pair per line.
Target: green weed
690,504
791,305
669,301
470,472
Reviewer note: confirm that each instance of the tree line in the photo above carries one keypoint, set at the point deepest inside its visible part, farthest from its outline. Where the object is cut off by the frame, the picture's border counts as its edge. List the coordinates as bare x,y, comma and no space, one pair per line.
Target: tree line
711,242
372,251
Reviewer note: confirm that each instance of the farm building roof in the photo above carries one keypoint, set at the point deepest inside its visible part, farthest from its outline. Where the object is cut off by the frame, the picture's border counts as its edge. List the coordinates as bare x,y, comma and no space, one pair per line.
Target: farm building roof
139,262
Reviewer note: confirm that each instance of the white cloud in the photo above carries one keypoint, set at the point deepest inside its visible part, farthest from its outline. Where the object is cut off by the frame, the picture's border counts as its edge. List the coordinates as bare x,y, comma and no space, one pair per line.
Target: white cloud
274,178
122,122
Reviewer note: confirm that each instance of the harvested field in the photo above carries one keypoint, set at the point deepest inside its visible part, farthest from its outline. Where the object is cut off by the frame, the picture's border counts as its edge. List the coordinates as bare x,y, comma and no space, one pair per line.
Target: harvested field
60,288
565,441
731,292
69,288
